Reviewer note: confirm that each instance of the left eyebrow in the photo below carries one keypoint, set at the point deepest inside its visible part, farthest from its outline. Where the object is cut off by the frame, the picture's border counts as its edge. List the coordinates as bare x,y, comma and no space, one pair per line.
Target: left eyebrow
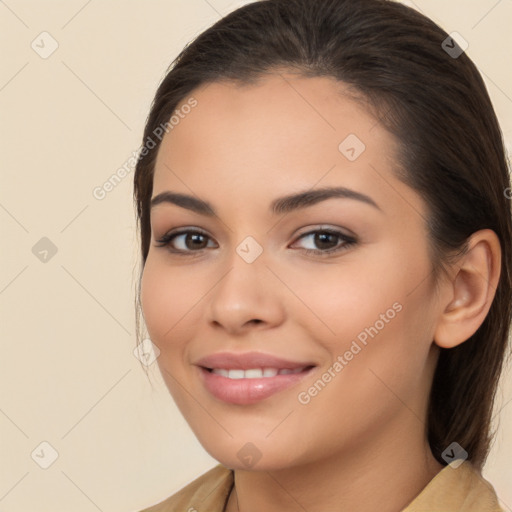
279,206
310,197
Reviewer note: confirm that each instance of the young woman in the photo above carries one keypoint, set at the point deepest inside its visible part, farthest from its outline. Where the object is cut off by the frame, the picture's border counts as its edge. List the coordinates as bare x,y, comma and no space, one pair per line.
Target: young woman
326,243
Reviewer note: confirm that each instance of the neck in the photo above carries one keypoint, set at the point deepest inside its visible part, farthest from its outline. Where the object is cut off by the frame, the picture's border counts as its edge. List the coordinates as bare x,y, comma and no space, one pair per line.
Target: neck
361,479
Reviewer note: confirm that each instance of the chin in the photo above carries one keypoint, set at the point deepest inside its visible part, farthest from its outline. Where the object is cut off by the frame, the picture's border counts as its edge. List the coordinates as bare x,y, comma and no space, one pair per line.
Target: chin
251,456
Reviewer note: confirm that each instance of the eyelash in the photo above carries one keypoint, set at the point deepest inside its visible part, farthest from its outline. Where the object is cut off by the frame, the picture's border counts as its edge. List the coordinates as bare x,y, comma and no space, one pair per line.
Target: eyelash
165,241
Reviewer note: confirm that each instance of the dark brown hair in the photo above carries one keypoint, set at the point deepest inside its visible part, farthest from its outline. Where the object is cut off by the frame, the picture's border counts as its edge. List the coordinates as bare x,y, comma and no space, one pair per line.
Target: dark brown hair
451,151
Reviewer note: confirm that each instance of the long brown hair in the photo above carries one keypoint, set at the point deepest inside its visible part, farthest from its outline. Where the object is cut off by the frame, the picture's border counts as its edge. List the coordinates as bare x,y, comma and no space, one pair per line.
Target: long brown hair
426,92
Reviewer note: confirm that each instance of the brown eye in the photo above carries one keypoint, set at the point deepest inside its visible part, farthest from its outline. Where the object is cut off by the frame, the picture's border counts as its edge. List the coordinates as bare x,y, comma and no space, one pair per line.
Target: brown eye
328,241
184,241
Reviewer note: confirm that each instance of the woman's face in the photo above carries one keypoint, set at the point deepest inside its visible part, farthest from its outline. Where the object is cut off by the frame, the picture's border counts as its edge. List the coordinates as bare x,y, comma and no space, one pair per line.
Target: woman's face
335,288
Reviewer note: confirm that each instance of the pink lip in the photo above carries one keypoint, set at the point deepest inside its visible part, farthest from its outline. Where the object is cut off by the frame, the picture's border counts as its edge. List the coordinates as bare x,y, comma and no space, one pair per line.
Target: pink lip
248,391
248,360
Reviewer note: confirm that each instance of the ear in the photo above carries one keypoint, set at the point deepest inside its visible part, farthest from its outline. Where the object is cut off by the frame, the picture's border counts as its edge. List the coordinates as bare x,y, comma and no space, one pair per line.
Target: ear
470,290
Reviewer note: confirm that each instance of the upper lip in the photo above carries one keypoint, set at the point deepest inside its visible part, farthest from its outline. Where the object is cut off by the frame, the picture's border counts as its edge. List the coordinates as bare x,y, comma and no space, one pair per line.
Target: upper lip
248,360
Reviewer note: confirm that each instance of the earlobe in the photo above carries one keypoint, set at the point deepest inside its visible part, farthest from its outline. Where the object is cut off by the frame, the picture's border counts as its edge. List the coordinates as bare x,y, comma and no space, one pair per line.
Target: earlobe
472,290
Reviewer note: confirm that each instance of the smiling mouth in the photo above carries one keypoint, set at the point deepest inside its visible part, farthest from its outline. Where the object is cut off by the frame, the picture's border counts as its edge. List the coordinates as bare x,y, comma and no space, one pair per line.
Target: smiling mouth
255,373
249,386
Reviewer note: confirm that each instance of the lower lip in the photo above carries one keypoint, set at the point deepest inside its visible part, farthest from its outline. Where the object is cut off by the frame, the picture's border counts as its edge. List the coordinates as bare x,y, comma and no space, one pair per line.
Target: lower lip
248,391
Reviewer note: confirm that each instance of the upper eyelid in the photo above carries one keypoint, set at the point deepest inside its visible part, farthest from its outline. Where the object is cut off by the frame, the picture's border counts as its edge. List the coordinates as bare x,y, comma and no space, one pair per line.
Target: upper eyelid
309,230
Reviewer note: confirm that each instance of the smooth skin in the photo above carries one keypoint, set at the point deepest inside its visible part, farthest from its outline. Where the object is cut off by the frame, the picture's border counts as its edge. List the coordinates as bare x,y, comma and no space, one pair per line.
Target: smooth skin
360,444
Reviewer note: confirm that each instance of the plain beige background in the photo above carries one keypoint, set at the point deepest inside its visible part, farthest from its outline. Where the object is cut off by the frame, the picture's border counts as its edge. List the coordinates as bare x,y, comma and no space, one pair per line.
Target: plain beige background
68,374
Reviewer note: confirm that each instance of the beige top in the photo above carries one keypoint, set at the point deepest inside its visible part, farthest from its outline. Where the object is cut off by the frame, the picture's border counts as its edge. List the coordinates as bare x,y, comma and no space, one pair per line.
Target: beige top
452,490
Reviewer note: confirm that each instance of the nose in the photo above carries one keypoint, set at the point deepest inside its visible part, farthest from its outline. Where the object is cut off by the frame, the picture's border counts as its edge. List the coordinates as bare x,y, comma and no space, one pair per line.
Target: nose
247,297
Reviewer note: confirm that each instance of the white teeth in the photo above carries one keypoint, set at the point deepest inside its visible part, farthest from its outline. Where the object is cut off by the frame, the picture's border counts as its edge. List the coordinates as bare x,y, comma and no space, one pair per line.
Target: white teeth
236,374
254,373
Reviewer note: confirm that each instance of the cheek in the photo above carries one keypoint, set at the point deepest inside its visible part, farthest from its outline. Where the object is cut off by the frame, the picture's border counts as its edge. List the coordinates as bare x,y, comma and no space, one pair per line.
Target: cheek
343,300
152,305
374,375
376,310
167,300
387,351
168,297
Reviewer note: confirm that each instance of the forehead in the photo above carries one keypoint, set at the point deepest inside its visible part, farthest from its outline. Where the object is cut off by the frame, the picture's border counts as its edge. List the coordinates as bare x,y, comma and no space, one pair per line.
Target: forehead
241,146
276,101
280,90
282,118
